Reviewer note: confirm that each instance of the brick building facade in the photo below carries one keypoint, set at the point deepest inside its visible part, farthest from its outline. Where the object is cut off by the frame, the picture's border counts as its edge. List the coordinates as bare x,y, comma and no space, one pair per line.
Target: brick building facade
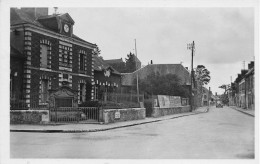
54,56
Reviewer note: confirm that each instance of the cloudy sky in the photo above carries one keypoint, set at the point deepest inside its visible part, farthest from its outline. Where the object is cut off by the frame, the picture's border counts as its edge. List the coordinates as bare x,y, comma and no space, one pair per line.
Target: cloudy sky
224,37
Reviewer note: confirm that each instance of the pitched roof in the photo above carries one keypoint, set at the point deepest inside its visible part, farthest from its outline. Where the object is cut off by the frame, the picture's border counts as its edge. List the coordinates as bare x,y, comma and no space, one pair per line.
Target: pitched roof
20,17
111,61
162,69
65,16
100,65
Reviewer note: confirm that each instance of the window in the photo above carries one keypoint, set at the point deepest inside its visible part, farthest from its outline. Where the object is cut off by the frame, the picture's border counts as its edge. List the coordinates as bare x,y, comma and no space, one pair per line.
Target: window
82,62
44,90
65,56
82,93
44,56
65,77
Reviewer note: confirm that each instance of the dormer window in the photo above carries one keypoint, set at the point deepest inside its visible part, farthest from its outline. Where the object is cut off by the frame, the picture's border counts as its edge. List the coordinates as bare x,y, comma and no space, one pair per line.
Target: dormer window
62,23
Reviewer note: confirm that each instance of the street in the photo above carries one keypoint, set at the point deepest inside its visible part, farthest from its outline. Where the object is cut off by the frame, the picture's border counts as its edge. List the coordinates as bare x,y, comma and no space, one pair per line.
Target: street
222,133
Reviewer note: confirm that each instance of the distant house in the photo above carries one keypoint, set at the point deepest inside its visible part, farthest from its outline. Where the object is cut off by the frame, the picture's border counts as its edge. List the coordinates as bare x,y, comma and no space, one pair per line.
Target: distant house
250,86
206,96
244,89
107,79
46,55
117,64
120,65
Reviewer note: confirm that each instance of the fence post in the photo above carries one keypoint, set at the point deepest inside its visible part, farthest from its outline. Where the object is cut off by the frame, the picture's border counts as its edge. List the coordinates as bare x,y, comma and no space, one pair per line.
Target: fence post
56,115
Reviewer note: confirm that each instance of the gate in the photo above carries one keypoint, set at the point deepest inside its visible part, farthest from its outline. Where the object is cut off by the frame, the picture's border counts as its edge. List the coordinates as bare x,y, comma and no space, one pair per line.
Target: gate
75,114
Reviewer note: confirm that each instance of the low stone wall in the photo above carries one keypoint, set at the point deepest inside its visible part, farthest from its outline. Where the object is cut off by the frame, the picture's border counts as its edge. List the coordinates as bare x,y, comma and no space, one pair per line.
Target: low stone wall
158,112
117,115
29,116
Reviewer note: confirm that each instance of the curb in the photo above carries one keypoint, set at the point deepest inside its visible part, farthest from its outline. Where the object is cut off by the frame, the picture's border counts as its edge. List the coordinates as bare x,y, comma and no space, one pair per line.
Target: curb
103,129
243,112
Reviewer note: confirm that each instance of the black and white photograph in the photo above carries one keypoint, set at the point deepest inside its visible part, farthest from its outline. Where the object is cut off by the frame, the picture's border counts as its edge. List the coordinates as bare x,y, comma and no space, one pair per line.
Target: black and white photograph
130,81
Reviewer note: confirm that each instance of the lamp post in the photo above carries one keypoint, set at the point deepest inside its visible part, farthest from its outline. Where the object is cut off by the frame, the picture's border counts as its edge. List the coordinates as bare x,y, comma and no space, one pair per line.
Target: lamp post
191,46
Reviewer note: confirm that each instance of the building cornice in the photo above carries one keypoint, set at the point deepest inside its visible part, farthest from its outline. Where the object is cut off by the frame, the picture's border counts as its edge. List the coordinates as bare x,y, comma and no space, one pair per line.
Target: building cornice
54,71
52,34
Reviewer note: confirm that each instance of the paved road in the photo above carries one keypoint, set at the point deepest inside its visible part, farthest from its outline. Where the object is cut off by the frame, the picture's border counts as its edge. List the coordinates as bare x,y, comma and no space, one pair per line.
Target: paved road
223,133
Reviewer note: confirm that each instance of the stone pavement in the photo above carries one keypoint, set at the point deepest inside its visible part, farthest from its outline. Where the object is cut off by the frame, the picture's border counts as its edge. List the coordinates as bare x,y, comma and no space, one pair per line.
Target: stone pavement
246,111
79,127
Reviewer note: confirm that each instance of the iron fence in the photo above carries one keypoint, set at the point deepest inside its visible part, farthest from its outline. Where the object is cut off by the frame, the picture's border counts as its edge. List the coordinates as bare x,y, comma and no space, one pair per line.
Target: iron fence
19,102
75,114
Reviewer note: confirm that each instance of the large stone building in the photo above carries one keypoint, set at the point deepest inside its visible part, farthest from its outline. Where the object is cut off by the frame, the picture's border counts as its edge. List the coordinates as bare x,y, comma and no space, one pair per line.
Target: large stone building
46,55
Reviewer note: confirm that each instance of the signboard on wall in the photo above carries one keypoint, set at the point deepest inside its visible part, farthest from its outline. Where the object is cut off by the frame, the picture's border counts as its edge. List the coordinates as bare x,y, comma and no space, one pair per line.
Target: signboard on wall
169,101
164,101
117,115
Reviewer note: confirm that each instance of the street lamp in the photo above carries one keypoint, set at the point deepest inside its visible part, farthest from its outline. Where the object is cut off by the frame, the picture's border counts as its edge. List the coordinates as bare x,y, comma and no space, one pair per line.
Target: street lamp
191,46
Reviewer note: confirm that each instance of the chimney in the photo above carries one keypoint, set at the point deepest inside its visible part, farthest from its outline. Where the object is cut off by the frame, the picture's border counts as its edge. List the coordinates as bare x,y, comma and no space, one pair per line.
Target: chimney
187,68
35,12
151,61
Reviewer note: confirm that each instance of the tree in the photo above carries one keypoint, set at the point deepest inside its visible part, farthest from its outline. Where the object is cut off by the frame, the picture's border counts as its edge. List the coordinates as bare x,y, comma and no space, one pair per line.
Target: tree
130,63
96,51
224,96
169,84
226,87
202,75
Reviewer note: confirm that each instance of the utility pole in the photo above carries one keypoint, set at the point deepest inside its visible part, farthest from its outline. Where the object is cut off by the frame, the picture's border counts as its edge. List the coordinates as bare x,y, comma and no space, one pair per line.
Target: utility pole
137,86
191,46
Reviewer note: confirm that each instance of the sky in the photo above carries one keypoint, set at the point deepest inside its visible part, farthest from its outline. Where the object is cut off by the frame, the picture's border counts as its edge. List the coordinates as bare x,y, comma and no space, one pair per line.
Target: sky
224,37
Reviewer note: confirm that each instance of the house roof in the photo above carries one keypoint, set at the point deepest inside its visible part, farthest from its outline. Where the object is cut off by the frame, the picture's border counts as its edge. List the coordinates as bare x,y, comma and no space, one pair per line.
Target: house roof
20,17
162,69
100,65
65,16
111,61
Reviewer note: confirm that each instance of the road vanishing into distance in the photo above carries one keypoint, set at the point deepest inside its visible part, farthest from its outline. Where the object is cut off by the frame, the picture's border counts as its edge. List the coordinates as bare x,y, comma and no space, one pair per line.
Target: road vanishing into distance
222,133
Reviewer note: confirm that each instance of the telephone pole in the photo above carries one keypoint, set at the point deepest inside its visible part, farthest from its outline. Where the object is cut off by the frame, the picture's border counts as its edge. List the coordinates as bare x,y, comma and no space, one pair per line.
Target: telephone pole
191,46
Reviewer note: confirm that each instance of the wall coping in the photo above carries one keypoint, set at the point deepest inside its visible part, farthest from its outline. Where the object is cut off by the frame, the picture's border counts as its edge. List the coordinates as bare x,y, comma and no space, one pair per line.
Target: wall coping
24,111
171,107
108,110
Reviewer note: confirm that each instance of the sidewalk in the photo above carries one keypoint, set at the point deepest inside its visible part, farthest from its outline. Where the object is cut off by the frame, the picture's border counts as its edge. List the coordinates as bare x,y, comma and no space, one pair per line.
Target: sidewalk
78,127
245,111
